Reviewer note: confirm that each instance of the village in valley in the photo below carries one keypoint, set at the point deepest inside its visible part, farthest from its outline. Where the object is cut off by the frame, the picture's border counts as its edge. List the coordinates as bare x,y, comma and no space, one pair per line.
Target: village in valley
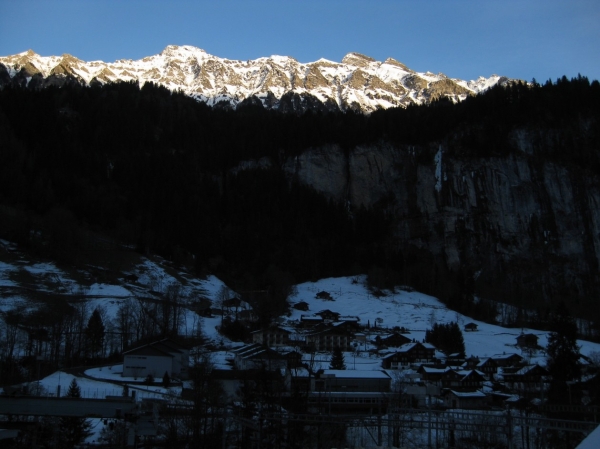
342,355
382,362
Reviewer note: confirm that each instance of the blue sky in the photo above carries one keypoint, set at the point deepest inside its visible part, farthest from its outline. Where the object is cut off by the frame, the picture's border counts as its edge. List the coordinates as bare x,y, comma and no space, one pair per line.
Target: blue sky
464,39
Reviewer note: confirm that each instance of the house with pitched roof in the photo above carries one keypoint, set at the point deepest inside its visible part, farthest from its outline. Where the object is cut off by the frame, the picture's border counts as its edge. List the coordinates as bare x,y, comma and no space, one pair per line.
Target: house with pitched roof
511,359
527,341
257,356
310,320
414,353
156,359
470,327
327,339
393,340
328,315
464,399
487,366
527,378
272,336
350,391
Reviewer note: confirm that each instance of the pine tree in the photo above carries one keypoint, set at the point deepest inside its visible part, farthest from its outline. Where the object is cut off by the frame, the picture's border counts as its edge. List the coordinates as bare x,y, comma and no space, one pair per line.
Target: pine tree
562,354
337,359
94,334
448,338
166,380
72,430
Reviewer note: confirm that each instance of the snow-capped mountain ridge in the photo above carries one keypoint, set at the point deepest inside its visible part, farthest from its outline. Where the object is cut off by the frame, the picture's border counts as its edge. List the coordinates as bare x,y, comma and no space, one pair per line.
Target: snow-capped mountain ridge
359,82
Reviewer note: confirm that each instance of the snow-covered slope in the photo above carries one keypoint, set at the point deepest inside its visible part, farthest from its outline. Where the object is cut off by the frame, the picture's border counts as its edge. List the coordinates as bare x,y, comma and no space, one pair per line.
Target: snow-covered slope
414,311
358,82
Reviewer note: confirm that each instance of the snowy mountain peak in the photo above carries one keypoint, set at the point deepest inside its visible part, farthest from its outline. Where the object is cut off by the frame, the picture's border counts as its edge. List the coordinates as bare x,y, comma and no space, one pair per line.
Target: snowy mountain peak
357,59
359,82
183,51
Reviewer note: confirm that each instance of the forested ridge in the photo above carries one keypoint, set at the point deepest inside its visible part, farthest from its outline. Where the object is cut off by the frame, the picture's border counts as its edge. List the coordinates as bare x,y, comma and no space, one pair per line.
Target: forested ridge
158,170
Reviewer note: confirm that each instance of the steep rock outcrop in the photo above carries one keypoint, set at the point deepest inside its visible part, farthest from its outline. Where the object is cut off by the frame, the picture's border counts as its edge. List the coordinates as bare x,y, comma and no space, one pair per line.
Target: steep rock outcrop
514,228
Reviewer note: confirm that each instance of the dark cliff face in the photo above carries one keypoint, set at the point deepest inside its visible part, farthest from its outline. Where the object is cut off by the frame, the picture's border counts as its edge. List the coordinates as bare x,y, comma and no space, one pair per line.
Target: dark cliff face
514,228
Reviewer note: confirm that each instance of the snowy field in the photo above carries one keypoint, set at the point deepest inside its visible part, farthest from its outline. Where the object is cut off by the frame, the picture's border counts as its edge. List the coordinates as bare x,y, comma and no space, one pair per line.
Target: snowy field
416,312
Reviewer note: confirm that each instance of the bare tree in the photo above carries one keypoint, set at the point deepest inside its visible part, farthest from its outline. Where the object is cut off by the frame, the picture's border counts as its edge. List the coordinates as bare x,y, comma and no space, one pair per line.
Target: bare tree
221,298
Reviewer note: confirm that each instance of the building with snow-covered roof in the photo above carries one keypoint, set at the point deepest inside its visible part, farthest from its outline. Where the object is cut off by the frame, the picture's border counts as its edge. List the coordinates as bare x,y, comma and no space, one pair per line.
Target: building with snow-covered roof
328,315
470,327
257,356
409,354
464,380
486,365
393,340
464,399
350,391
156,359
527,378
330,338
310,320
527,341
511,359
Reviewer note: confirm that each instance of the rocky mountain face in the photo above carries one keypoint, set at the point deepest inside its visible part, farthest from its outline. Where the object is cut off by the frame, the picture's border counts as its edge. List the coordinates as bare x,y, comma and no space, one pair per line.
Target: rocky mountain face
506,227
358,82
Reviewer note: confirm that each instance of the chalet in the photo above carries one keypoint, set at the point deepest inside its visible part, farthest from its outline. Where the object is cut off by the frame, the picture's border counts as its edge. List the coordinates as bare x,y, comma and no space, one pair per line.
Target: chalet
447,377
302,305
464,399
328,315
350,319
529,378
455,359
273,336
503,360
310,320
470,327
470,380
488,367
527,341
256,356
324,295
394,340
330,338
432,374
410,354
347,325
156,359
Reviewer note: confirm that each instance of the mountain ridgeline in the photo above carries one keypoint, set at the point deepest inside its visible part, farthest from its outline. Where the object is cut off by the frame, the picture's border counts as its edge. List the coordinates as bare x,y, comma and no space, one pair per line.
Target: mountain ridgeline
281,83
495,199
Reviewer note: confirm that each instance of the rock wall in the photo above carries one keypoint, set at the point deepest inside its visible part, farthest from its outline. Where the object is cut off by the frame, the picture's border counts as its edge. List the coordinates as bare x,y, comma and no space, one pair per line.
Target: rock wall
514,228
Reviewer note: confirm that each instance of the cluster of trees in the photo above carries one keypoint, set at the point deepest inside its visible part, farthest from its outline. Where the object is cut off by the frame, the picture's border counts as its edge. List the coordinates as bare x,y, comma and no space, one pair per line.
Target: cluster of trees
447,337
64,331
563,357
59,332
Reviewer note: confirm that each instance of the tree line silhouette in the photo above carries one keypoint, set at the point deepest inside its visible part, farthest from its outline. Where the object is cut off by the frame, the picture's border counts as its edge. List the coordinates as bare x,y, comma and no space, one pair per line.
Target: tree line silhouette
155,169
